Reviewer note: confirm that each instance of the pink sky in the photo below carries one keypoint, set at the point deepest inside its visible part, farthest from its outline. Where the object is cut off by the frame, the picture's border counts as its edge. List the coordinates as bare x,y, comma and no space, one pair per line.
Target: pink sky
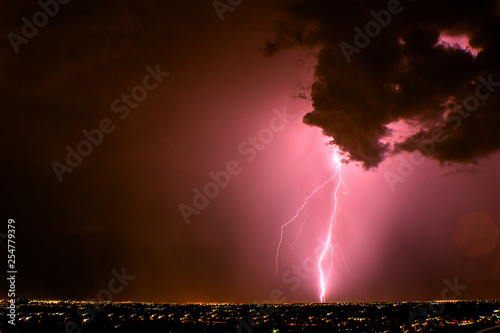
120,207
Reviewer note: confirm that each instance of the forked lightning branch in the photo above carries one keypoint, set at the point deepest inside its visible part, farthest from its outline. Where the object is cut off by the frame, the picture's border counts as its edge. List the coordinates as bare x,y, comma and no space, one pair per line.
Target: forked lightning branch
327,248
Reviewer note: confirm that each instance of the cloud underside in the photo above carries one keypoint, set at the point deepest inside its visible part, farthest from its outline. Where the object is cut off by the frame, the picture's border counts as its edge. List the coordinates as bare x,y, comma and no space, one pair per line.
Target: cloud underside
405,73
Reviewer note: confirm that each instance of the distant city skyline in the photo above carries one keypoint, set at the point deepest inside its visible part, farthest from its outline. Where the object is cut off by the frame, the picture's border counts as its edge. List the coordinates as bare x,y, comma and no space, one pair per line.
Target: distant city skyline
472,316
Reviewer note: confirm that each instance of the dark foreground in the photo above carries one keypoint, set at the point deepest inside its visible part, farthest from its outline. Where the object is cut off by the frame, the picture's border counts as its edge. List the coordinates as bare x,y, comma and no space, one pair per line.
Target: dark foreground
81,317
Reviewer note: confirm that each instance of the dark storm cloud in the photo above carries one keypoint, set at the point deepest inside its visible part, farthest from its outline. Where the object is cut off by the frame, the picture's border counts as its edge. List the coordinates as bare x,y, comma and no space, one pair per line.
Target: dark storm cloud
401,74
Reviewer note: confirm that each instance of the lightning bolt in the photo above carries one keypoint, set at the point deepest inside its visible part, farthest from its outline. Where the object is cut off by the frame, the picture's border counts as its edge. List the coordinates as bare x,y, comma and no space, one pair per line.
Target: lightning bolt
326,247
296,215
327,244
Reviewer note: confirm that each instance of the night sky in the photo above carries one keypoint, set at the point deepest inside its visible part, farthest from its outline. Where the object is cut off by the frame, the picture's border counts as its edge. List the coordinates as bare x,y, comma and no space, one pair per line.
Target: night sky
115,114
